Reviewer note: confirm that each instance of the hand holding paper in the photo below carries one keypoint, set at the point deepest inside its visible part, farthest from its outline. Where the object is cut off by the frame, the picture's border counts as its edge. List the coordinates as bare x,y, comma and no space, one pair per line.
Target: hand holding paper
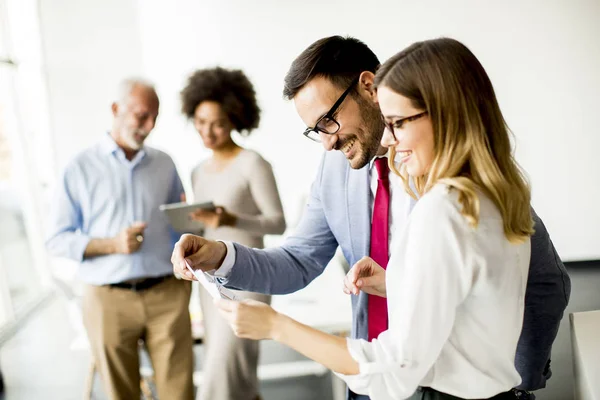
251,319
202,254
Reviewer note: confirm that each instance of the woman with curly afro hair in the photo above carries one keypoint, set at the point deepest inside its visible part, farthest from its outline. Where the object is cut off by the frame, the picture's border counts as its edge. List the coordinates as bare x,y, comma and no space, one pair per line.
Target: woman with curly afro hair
241,183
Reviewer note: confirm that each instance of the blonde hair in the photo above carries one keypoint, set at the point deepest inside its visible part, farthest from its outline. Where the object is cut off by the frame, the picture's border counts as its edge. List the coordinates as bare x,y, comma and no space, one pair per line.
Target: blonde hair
472,148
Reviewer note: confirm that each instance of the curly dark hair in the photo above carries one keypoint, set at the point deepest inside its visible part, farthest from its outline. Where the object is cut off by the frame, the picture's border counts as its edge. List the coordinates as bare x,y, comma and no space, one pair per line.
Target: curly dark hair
230,88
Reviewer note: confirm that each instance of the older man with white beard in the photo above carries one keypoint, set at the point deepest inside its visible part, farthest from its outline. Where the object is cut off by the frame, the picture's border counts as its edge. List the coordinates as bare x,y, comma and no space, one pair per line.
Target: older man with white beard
106,216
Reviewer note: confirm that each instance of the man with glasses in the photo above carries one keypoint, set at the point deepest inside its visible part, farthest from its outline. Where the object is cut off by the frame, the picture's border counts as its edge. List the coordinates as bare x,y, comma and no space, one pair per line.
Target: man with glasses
356,204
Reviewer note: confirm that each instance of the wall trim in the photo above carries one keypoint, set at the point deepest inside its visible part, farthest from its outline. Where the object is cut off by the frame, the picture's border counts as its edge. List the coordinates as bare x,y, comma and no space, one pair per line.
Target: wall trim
582,264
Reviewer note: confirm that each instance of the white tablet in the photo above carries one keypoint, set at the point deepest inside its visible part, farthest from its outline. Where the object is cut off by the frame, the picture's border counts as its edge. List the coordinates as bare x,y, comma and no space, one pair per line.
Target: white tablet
179,215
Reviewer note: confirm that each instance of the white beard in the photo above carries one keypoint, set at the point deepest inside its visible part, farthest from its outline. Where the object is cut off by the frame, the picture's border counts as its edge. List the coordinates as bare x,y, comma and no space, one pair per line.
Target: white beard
129,139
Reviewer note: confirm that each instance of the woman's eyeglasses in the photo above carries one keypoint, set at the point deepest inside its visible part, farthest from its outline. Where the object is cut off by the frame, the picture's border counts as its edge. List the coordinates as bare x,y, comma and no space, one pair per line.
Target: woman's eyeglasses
399,123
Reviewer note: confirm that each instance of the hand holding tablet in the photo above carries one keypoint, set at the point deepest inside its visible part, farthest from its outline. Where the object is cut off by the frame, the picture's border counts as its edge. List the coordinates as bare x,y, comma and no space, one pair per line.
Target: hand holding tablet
179,215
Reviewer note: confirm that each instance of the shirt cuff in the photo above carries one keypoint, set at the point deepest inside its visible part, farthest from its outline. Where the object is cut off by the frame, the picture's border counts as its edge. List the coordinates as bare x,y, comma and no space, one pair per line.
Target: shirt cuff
76,248
225,269
357,383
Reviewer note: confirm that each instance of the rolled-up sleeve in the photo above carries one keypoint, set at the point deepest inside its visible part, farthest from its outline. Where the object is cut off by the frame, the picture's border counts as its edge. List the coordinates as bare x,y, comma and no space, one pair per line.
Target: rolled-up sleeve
428,277
64,236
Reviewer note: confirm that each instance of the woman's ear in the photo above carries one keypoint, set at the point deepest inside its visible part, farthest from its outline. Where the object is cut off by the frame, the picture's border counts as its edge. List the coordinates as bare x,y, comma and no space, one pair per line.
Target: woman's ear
366,84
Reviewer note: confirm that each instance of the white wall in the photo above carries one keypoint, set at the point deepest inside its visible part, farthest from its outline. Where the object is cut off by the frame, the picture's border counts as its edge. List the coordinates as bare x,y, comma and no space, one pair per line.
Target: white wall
89,46
542,57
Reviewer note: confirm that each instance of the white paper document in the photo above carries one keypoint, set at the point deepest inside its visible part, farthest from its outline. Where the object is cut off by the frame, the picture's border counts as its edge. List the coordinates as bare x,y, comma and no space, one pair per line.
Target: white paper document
216,290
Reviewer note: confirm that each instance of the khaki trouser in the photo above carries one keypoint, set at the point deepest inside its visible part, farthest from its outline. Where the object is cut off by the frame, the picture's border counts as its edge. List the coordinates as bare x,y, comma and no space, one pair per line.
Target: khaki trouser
229,364
115,319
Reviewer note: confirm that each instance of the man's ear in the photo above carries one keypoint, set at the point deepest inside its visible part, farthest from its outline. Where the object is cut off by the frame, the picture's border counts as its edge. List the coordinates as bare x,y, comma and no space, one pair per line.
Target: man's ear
114,108
366,83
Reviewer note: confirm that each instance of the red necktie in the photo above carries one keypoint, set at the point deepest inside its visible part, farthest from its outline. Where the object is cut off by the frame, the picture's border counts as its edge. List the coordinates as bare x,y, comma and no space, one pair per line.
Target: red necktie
378,316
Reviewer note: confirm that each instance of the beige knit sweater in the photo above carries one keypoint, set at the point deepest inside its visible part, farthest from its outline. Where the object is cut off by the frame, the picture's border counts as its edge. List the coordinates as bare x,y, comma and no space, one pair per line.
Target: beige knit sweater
245,187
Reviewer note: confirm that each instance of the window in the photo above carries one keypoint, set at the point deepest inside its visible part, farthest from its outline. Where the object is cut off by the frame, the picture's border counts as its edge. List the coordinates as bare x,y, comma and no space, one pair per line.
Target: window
25,162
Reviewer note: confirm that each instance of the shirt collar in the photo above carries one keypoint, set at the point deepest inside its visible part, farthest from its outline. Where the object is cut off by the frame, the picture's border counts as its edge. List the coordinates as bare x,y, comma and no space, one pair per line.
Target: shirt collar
108,144
372,162
110,147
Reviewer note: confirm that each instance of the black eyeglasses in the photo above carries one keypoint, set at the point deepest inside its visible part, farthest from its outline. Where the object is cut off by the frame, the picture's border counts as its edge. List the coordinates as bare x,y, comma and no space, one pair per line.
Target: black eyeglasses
327,123
399,123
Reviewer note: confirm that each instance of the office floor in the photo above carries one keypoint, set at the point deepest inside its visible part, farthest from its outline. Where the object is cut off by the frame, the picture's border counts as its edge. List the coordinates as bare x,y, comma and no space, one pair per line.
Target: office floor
37,363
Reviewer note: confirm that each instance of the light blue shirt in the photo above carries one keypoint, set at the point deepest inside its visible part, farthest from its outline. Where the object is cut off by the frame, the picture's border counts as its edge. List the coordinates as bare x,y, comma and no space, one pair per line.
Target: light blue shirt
100,194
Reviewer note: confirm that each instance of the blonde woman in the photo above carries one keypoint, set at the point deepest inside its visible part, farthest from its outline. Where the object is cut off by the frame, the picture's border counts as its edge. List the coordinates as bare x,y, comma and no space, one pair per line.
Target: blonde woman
456,278
241,183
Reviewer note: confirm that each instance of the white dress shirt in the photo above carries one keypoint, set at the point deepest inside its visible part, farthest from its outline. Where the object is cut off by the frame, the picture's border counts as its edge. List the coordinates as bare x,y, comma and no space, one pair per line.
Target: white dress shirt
455,305
400,201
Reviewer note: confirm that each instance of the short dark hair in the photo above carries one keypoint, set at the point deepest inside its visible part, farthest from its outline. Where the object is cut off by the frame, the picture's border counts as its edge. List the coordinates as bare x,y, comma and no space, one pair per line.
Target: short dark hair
230,88
339,59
